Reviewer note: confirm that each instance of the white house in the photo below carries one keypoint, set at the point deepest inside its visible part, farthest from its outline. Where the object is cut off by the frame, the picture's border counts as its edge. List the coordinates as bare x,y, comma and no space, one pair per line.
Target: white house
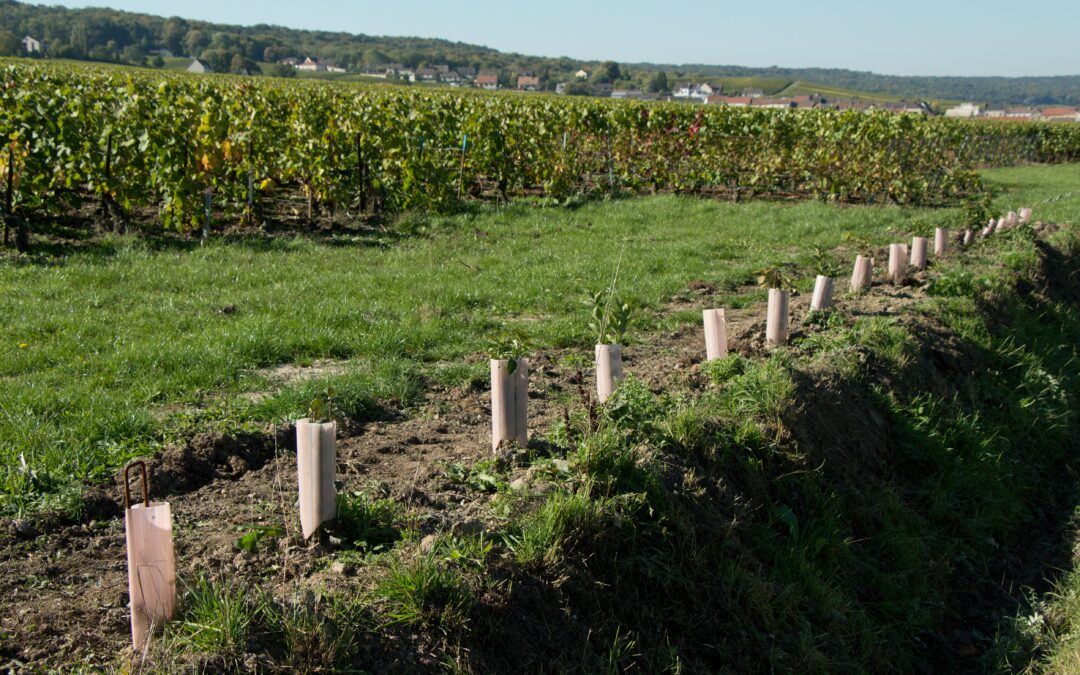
964,110
702,92
33,46
311,65
199,66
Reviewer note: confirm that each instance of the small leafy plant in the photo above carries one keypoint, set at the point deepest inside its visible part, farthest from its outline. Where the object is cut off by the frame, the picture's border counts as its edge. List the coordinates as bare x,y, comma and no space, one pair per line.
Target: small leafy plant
776,276
321,409
250,540
508,345
611,318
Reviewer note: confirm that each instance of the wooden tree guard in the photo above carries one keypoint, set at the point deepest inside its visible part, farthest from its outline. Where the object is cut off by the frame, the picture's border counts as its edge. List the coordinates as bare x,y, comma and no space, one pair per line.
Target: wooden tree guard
609,370
151,565
509,403
918,253
776,324
823,292
897,263
316,469
1025,215
863,276
715,334
941,241
969,236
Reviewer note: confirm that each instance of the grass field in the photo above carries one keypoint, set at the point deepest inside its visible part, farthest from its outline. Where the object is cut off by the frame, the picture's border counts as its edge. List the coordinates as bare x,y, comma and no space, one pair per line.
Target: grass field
115,350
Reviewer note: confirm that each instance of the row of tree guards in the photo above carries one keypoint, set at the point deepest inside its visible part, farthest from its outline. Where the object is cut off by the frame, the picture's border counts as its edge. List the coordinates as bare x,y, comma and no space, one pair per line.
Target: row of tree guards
148,526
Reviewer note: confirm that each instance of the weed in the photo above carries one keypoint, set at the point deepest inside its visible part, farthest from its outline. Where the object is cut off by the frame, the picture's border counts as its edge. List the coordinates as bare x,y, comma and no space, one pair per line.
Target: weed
368,524
426,593
722,371
483,476
764,389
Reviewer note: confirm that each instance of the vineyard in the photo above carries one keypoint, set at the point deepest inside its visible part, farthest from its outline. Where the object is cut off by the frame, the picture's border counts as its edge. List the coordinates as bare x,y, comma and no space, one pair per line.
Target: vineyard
178,152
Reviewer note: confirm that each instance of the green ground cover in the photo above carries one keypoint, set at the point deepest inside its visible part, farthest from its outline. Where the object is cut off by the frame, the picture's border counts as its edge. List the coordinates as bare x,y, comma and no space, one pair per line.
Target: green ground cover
113,350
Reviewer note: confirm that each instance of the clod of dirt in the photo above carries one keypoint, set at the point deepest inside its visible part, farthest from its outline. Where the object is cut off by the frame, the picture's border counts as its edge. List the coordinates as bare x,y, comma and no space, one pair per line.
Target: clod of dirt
206,458
98,505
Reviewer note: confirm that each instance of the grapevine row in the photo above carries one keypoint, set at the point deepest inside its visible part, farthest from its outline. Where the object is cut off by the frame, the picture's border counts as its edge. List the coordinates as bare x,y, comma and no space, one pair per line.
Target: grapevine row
161,144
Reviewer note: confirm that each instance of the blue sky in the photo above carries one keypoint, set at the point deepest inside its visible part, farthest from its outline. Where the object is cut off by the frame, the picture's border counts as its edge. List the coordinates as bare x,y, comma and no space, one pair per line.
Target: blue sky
912,37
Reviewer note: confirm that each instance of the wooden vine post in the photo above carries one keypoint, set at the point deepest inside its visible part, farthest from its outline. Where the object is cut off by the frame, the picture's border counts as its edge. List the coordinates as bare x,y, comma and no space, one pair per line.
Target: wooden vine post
151,564
509,402
715,334
9,194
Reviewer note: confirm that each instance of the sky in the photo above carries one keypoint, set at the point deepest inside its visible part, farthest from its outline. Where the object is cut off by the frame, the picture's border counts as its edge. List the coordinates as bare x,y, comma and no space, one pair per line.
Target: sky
912,37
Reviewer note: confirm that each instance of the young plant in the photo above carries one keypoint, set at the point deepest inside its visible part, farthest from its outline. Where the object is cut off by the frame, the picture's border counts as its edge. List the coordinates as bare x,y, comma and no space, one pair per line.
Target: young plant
322,410
611,318
508,345
610,315
776,276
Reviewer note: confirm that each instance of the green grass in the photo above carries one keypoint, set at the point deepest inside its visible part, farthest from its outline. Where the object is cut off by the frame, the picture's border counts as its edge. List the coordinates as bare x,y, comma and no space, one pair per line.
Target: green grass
118,349
127,345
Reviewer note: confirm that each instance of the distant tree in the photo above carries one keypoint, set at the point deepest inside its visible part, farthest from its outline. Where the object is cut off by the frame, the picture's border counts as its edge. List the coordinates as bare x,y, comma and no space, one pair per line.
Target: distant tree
9,44
275,53
280,70
195,42
374,56
134,55
241,65
219,59
606,73
172,35
658,83
577,88
157,61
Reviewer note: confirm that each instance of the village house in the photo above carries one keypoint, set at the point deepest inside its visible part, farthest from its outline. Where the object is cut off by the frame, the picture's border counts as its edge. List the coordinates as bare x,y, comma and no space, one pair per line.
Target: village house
774,103
487,81
528,82
696,91
466,72
753,92
736,101
33,46
424,75
291,61
964,110
199,66
311,65
1060,114
453,78
628,94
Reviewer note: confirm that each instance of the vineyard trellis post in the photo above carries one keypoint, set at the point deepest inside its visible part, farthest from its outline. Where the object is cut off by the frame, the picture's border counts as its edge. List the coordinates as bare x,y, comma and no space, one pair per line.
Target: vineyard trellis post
9,194
208,207
461,170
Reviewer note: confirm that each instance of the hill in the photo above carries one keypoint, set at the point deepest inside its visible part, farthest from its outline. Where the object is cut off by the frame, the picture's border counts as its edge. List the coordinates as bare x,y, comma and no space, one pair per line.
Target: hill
126,37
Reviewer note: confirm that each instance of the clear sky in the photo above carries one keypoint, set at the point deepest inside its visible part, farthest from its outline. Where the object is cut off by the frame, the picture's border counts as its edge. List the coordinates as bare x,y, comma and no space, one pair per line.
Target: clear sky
909,37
